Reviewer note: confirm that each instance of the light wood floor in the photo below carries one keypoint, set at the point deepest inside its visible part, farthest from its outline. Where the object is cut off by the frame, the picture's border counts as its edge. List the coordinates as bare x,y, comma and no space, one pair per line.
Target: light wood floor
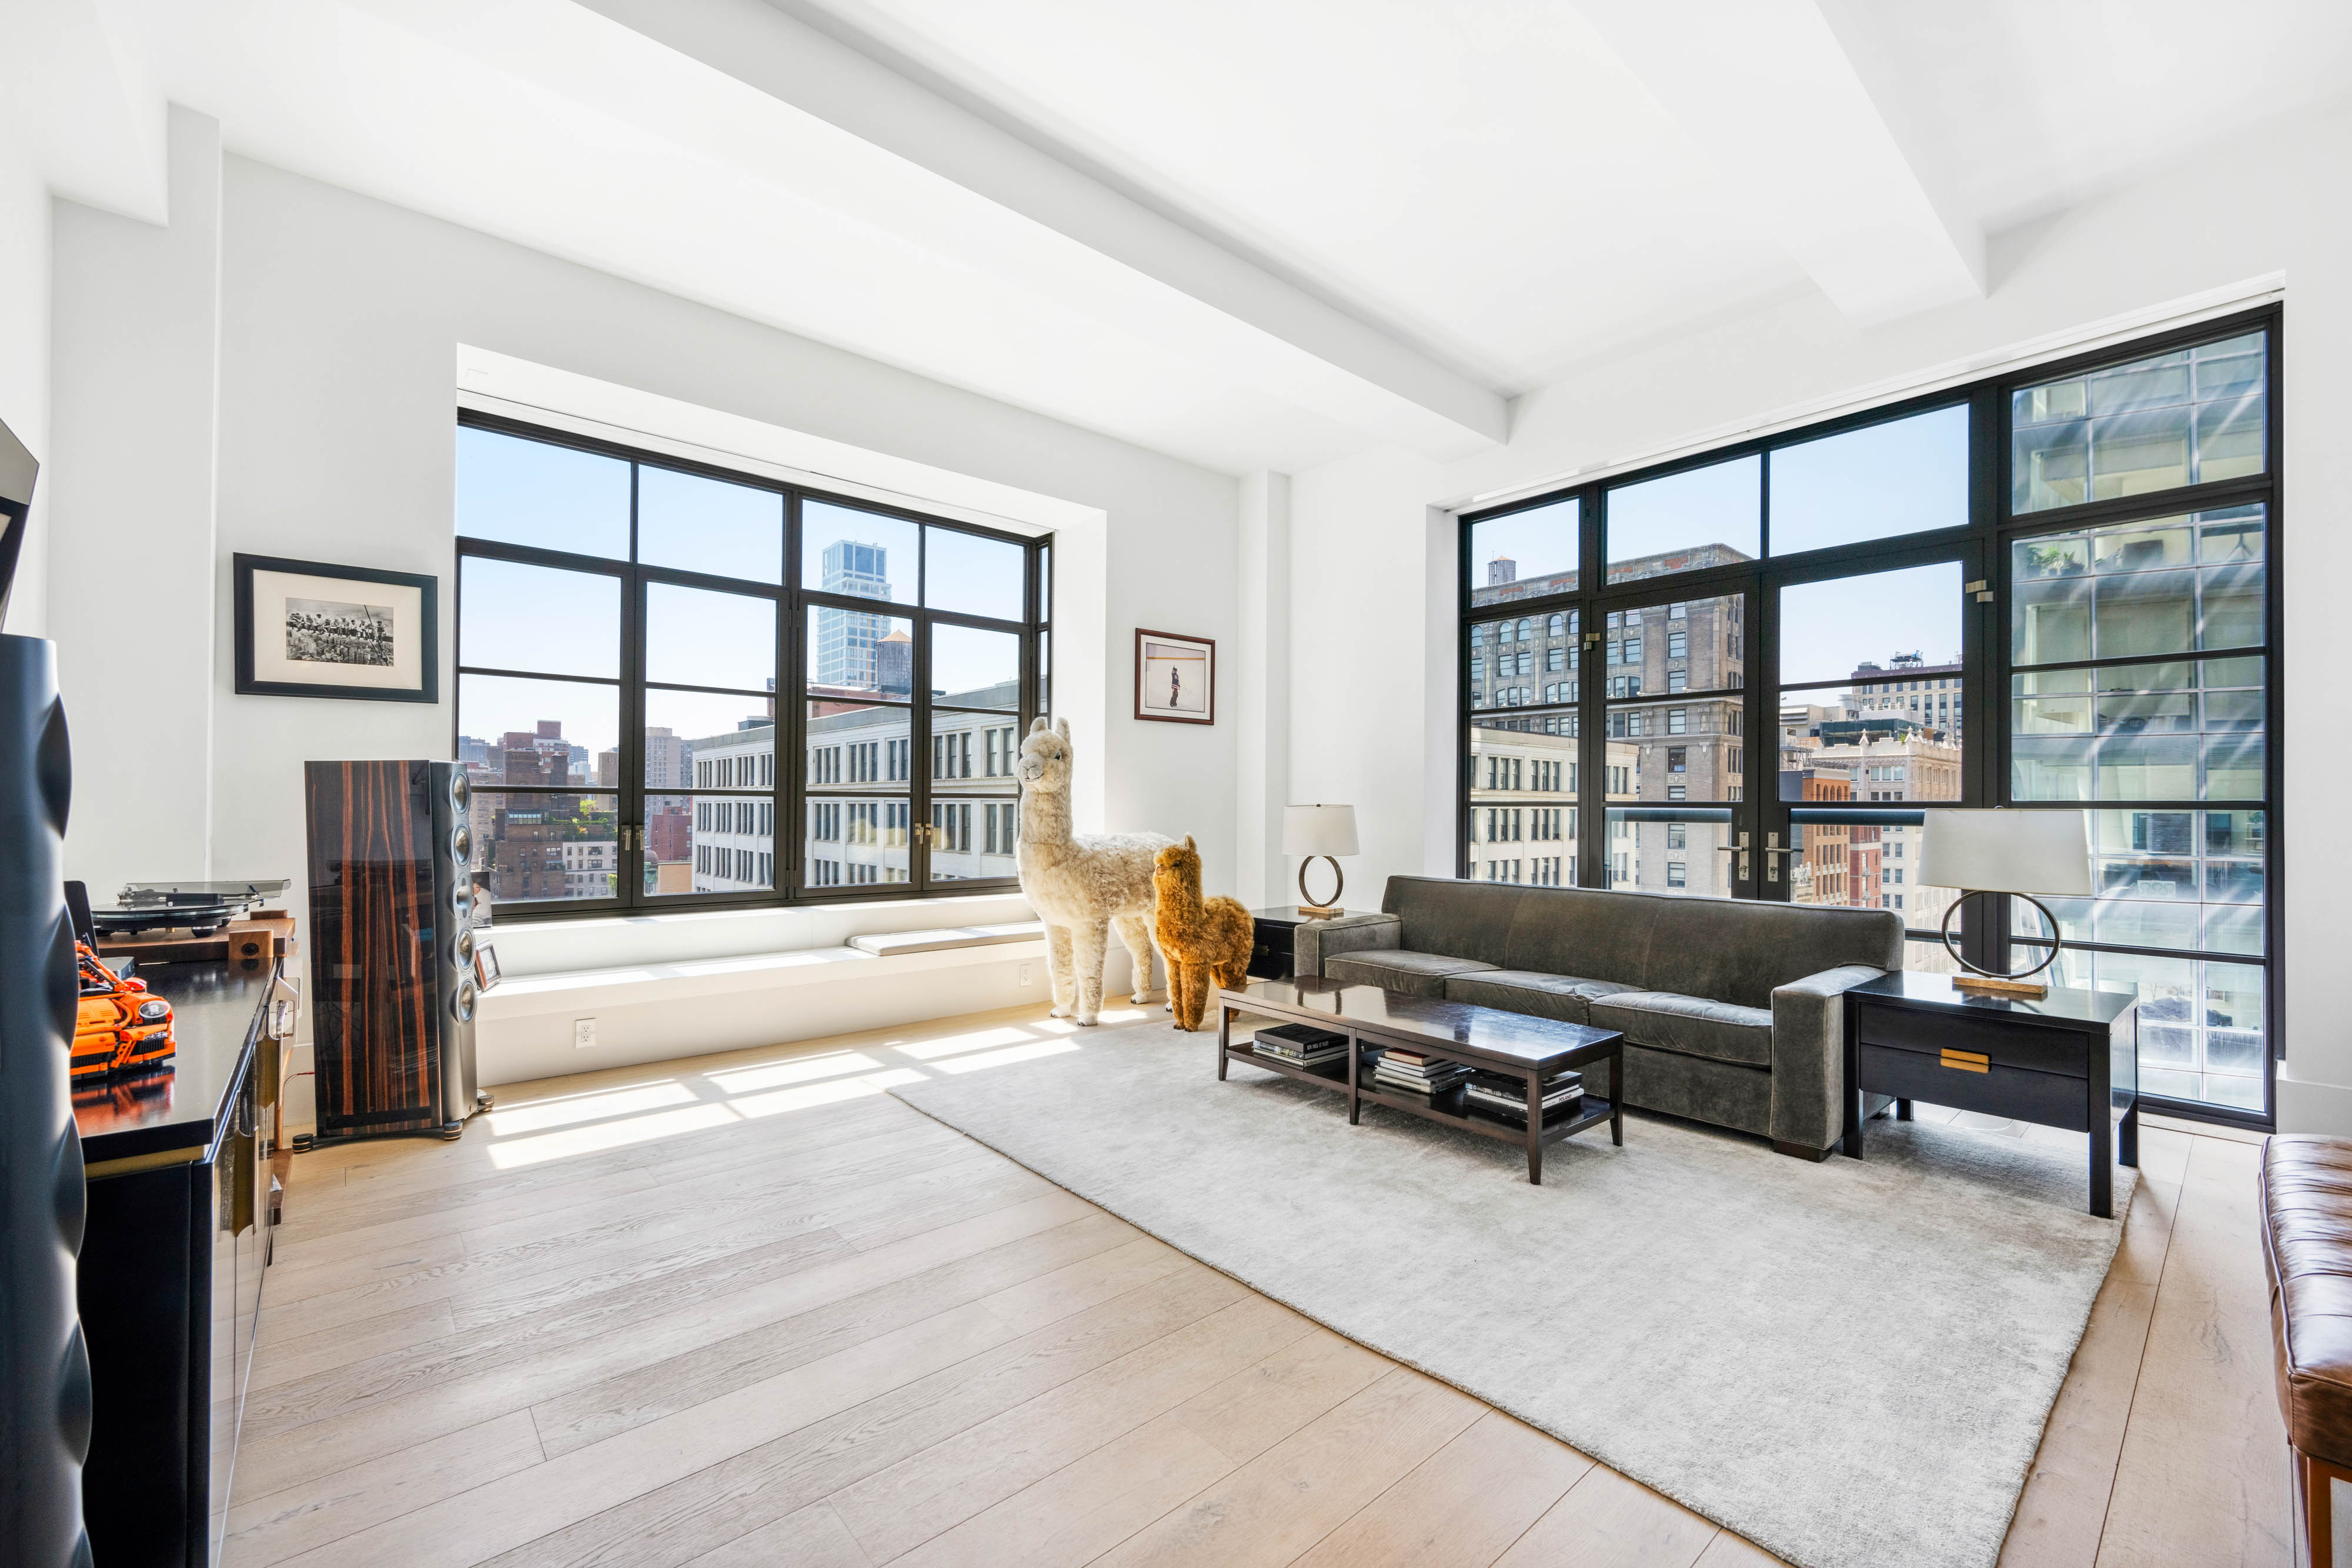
749,1310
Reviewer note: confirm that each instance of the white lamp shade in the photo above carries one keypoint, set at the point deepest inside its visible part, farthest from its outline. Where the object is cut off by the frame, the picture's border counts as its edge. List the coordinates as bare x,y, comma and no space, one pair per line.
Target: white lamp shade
2006,852
1318,829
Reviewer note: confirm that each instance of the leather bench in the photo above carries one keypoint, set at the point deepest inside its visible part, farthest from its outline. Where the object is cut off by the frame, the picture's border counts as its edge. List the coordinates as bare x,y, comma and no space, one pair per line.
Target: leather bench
2306,1212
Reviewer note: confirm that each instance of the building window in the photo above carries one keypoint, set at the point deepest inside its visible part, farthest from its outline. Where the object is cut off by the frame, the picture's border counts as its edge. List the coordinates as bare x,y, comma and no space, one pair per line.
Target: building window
554,529
2138,676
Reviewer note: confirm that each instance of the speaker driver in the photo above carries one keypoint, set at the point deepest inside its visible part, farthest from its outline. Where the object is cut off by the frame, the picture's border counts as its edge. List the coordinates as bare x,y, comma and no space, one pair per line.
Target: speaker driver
461,1005
460,792
461,846
462,949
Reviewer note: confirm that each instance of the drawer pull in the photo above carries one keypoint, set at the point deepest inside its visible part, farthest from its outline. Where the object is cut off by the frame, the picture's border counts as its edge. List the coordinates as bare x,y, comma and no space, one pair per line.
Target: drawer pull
1966,1060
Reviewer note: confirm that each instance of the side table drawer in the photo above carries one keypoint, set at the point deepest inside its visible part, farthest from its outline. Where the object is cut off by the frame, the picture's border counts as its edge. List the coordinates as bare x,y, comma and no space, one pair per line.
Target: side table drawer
2045,1098
2036,1049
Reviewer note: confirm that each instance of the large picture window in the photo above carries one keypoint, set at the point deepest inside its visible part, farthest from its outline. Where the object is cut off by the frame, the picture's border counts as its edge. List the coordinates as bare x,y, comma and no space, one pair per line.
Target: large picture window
2053,590
680,687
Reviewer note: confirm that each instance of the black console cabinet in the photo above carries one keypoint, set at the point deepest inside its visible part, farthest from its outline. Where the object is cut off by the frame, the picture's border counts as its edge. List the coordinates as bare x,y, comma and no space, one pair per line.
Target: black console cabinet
2068,1060
171,1271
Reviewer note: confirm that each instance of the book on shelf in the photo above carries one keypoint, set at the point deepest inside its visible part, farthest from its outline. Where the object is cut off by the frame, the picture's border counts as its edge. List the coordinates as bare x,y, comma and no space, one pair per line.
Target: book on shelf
1302,1037
1559,1087
1414,1083
1298,1057
1510,1110
1419,1081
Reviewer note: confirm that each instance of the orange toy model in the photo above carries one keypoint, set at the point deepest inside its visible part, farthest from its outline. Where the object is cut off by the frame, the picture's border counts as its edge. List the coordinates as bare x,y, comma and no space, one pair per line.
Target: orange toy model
118,1028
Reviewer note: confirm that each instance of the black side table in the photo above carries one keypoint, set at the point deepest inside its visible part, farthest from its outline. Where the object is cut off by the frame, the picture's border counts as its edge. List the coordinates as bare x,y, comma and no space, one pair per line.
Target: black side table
2068,1060
1272,955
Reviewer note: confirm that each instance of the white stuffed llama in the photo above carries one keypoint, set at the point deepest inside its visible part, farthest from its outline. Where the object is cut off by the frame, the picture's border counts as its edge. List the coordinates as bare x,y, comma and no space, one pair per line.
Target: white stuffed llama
1083,885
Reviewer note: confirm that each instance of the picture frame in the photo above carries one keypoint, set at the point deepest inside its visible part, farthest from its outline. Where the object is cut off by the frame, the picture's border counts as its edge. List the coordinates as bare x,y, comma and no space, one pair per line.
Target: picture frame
307,629
1175,677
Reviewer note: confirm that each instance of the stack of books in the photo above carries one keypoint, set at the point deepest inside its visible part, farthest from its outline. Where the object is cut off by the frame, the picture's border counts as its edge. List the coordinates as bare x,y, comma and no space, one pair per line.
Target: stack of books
1500,1094
1421,1076
1300,1045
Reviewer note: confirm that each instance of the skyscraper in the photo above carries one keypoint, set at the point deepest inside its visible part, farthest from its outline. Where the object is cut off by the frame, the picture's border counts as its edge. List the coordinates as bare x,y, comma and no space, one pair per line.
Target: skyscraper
845,638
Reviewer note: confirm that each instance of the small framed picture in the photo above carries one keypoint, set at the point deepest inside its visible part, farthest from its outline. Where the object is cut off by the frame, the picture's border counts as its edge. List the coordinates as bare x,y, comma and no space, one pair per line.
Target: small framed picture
309,630
1175,678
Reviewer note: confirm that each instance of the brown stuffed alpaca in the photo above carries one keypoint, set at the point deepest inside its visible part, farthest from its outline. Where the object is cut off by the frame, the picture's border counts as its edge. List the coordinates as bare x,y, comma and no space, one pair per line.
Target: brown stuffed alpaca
1206,942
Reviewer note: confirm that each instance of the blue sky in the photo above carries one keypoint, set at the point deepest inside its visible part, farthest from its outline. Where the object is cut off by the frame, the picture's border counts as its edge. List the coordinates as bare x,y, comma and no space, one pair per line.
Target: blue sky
568,623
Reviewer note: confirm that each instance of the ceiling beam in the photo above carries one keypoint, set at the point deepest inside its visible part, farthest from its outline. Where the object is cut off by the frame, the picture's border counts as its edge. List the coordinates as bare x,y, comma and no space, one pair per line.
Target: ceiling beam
1769,95
83,109
1295,346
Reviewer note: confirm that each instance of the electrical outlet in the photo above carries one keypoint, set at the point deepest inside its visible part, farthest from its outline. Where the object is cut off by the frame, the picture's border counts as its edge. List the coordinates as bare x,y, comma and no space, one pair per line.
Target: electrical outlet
1028,974
584,1033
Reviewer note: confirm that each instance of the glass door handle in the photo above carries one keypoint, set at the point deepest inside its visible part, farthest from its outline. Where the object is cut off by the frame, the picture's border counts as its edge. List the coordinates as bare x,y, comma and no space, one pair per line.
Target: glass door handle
1739,849
1772,849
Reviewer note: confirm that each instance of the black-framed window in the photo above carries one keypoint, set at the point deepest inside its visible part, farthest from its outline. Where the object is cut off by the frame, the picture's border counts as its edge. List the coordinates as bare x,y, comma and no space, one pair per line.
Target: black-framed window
681,686
2052,589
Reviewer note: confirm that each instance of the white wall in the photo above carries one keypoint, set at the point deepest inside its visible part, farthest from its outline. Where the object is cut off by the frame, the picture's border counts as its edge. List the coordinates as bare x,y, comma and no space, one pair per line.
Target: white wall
2270,209
25,363
1260,688
137,323
1361,686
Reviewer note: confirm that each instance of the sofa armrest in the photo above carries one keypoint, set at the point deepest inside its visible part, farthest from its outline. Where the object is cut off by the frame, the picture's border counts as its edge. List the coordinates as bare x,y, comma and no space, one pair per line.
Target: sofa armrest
1809,1055
1316,940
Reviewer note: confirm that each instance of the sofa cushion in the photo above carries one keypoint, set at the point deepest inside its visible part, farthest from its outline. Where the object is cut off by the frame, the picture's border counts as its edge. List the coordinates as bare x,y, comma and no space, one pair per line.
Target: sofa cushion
1418,974
1460,919
1695,1026
1588,931
1561,998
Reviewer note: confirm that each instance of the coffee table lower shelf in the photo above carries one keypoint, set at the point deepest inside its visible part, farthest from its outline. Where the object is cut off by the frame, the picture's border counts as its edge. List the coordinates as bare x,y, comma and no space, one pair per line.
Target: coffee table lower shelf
1334,1075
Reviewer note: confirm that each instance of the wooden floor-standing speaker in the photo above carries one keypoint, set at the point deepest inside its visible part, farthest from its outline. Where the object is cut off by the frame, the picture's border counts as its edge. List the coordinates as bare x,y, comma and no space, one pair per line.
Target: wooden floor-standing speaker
393,973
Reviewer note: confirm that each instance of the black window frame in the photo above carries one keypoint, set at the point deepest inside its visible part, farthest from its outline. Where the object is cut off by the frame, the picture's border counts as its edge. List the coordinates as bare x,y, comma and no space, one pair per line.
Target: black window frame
788,793
1981,547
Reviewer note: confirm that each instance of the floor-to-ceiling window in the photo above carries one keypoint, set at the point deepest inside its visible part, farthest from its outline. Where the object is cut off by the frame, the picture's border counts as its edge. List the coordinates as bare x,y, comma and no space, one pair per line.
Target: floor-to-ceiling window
679,685
1747,672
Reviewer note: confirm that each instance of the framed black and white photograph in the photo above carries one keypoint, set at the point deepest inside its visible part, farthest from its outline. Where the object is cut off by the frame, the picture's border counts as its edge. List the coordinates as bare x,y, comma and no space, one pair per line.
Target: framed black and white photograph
305,629
1175,678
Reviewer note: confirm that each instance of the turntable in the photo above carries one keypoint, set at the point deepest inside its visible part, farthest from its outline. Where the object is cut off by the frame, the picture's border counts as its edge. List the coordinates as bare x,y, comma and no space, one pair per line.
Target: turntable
201,908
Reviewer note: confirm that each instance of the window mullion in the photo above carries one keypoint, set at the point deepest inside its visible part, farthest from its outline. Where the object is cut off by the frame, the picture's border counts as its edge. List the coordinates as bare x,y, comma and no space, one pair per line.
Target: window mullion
630,807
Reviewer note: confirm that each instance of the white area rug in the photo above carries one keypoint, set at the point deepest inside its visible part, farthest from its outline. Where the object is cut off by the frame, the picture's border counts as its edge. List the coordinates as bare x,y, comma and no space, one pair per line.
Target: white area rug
1850,1364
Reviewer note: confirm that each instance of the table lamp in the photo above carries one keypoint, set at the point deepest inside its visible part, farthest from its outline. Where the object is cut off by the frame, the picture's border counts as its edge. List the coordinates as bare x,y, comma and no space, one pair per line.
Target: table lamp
1319,833
2018,852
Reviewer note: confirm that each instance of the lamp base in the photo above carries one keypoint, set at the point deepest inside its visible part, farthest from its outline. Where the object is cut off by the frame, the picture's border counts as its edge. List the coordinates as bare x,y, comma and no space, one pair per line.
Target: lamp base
1985,982
1993,986
1339,887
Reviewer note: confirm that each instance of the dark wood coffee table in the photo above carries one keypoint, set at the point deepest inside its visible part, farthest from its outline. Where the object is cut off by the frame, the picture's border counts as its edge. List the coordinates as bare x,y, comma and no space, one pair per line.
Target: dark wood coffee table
1532,1049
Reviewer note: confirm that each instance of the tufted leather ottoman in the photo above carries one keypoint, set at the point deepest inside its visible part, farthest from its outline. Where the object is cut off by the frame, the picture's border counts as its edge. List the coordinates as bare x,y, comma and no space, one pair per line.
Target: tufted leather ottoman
2306,1198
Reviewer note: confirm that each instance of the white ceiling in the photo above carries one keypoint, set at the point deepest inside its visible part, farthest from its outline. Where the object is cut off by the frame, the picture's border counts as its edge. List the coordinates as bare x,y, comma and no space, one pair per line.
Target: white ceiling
1488,180
1255,235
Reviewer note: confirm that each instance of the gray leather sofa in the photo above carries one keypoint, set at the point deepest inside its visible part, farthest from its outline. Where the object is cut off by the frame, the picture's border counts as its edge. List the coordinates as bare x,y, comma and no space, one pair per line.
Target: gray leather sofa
1732,1009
